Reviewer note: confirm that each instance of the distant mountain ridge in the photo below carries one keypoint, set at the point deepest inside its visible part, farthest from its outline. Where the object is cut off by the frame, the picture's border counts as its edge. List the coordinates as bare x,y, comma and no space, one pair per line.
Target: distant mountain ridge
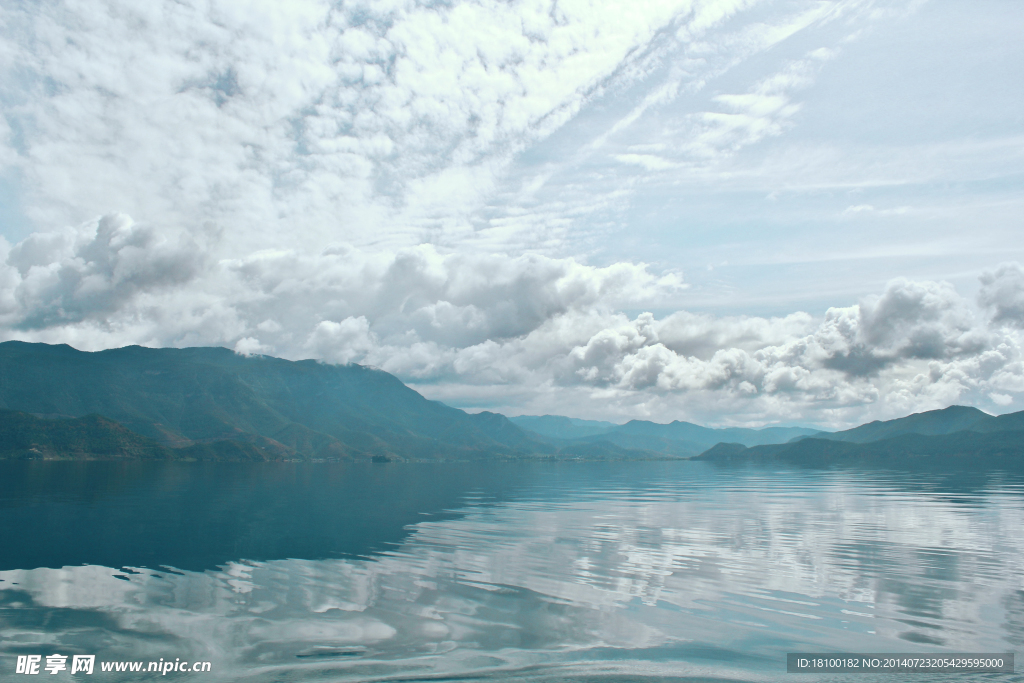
680,439
210,403
558,427
929,423
956,436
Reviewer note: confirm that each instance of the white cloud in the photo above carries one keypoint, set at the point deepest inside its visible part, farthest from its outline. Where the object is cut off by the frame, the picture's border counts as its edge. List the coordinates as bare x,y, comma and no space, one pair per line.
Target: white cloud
651,162
335,118
484,330
1002,291
340,342
250,346
91,271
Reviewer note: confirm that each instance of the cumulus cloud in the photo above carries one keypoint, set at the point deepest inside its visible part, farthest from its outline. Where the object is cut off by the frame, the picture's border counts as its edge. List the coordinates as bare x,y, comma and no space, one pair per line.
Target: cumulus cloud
910,320
522,332
844,358
92,271
341,342
1002,291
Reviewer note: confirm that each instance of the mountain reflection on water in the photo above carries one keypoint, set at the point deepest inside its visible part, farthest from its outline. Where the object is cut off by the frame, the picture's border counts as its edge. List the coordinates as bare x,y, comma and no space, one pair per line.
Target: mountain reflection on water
545,571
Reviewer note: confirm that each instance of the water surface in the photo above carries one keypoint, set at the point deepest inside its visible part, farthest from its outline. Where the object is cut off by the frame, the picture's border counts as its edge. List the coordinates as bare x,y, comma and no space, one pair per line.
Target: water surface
526,571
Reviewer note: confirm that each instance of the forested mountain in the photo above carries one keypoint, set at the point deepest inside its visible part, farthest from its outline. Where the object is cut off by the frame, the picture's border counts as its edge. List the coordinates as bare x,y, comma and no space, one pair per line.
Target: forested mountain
953,437
930,423
196,396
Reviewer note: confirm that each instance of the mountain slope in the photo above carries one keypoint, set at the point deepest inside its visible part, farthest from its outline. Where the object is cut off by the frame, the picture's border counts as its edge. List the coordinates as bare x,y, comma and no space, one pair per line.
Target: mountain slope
558,427
689,432
929,423
1000,446
679,439
1001,423
29,437
183,397
94,437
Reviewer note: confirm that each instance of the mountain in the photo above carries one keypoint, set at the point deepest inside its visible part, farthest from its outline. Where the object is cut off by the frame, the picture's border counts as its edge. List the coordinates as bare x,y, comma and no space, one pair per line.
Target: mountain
558,427
27,436
981,441
202,396
689,432
213,404
1001,423
931,423
678,439
93,437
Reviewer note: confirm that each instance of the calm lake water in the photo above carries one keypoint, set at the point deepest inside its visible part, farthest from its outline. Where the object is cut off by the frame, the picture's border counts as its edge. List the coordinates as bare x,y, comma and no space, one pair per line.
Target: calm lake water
630,571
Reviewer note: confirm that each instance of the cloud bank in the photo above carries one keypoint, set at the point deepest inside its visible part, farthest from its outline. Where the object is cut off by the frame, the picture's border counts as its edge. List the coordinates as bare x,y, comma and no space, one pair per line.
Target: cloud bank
525,333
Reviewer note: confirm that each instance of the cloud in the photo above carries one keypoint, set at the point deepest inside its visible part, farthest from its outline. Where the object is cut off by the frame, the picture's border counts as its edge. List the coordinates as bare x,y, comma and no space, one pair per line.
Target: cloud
1002,291
341,342
92,271
910,320
651,162
794,355
335,117
489,330
387,123
497,201
763,111
250,346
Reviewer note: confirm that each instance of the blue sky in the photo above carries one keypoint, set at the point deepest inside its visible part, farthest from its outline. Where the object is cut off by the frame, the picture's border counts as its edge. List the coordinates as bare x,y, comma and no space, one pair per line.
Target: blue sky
733,212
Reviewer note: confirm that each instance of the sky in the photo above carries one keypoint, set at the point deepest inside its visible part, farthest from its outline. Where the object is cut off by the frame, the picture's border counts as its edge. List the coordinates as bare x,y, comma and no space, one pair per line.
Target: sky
734,212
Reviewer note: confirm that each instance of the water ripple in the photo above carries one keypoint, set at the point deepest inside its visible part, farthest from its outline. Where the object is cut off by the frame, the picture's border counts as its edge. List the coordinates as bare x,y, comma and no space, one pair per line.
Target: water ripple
627,571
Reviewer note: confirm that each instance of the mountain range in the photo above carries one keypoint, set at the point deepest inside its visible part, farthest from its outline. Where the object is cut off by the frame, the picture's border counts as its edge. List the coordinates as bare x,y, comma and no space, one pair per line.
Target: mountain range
956,436
210,403
679,439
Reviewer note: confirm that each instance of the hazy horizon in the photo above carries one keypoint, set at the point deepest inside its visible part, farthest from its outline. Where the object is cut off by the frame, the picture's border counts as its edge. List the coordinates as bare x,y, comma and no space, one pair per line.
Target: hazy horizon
734,213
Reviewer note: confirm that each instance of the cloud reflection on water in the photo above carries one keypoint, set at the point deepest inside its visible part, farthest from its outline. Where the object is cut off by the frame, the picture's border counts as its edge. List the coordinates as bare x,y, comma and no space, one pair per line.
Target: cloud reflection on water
709,571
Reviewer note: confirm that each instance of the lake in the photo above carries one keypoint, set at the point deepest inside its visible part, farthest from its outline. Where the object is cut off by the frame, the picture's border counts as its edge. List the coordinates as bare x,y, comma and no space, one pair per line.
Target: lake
623,571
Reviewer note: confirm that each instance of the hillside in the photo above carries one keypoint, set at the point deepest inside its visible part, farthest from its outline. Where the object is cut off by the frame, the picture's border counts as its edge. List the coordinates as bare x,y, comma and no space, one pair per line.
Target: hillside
678,439
989,442
929,423
28,437
94,437
200,396
558,427
707,436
